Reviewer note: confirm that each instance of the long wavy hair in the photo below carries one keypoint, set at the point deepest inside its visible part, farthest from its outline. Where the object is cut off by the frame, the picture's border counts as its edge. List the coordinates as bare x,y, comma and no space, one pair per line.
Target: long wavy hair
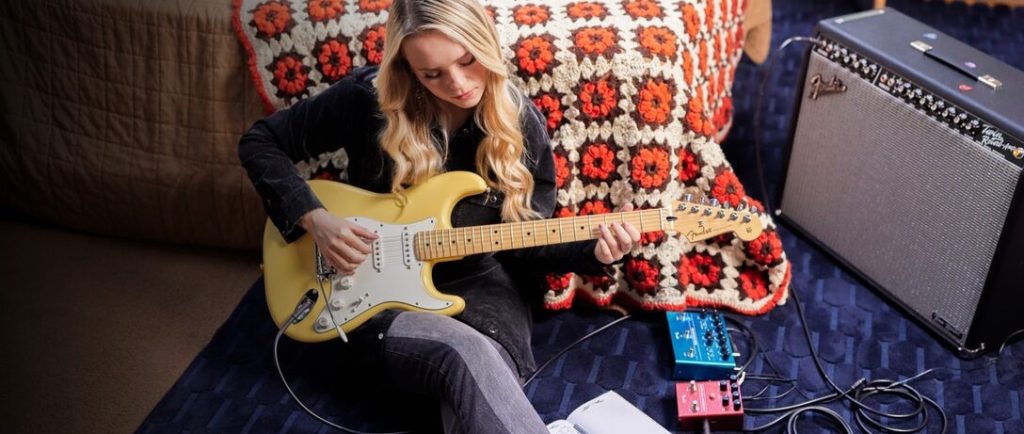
407,135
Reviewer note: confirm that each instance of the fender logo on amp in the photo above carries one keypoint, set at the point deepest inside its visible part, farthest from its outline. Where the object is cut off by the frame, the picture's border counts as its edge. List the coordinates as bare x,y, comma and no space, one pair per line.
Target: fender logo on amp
824,88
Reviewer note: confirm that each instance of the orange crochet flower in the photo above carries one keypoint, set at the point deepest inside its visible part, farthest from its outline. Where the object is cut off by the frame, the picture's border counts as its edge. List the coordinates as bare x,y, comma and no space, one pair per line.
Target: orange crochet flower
655,101
598,162
691,20
324,10
373,44
333,59
586,10
271,19
595,206
642,275
704,270
374,5
598,98
290,76
727,188
563,211
551,106
534,55
766,249
659,41
688,68
723,113
595,40
650,167
709,15
561,169
753,283
696,120
558,282
703,57
683,272
530,14
643,9
687,166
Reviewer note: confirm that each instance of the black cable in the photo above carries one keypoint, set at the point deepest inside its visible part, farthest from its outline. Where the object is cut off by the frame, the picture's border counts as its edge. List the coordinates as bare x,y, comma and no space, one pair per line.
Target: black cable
570,346
758,157
300,312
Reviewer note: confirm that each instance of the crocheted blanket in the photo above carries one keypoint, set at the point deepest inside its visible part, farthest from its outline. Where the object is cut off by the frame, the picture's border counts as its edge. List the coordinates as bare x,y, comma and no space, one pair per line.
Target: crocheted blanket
634,92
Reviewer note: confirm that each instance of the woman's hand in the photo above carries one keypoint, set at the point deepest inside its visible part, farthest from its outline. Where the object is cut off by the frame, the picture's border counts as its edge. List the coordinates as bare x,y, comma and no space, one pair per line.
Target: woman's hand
616,240
343,243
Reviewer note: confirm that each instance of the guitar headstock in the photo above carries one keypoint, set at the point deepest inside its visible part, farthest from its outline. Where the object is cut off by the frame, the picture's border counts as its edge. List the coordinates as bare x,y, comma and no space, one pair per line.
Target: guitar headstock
703,219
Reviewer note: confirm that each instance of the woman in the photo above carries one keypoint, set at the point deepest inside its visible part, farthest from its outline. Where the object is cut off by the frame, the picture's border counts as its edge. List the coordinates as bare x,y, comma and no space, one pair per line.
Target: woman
440,101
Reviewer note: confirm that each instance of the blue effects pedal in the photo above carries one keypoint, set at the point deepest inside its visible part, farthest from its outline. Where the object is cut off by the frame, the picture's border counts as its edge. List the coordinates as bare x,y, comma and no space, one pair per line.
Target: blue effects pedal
701,345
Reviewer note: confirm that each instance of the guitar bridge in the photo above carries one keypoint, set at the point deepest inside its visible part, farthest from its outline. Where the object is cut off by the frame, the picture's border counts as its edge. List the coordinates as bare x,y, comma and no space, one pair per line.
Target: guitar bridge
324,270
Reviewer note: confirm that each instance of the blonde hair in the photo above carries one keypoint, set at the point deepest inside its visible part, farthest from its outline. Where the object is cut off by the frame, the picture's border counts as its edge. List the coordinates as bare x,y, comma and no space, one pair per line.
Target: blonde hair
407,135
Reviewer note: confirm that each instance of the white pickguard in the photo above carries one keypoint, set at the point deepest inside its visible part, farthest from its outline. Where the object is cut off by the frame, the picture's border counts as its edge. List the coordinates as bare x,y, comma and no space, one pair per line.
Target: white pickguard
391,273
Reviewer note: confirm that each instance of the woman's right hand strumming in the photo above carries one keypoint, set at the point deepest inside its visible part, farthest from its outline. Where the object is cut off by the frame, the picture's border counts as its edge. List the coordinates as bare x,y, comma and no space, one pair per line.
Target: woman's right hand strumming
343,243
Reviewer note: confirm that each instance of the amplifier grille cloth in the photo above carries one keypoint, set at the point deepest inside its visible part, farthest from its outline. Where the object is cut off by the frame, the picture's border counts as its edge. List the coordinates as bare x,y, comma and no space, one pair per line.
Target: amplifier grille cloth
911,203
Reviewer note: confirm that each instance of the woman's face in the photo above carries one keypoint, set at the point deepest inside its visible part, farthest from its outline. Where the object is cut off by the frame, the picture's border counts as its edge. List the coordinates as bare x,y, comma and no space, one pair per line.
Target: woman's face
445,68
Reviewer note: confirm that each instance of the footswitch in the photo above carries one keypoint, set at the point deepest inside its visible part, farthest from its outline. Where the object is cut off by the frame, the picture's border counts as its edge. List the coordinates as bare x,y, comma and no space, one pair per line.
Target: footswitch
701,345
718,401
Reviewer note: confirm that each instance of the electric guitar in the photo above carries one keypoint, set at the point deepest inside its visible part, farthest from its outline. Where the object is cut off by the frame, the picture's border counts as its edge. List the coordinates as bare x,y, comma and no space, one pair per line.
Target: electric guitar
414,232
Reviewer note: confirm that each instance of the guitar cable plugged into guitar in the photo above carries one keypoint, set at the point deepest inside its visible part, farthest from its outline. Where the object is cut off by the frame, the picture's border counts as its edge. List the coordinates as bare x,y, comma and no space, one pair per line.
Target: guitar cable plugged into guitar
302,309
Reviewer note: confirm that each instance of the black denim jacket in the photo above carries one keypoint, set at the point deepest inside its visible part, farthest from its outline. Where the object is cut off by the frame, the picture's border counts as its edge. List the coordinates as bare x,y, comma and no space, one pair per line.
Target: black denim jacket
496,287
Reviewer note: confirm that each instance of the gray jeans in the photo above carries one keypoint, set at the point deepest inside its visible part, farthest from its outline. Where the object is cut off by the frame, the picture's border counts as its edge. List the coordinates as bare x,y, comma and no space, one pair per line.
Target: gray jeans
471,374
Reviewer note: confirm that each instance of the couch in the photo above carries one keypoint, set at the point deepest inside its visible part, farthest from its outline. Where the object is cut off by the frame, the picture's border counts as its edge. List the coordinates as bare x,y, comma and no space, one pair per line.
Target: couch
120,117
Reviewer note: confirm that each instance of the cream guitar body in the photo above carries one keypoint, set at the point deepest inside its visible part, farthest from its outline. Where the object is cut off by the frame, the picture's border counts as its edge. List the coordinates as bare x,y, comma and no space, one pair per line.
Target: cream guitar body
414,232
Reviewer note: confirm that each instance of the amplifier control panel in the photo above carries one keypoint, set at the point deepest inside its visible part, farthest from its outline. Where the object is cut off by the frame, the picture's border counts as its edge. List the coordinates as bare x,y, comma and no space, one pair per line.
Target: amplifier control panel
929,103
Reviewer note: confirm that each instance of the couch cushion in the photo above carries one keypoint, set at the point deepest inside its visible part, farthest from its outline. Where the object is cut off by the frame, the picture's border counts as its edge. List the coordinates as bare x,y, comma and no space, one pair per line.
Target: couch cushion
121,117
633,90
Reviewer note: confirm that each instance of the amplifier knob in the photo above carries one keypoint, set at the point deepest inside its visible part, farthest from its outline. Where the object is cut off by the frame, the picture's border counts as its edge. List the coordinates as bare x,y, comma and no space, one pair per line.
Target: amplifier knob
926,100
959,118
938,106
948,112
972,126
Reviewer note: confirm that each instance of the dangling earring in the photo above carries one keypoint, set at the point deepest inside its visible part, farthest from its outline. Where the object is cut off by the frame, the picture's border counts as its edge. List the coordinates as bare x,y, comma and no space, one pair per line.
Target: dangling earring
417,93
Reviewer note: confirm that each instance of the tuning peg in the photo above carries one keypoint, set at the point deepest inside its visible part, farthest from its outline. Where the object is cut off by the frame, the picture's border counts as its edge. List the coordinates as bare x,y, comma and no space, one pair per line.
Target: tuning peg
727,205
721,213
746,218
733,216
741,207
714,202
703,200
688,198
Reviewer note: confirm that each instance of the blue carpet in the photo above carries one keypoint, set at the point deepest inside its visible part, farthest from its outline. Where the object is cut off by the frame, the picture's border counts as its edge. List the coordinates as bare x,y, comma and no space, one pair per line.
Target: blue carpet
231,386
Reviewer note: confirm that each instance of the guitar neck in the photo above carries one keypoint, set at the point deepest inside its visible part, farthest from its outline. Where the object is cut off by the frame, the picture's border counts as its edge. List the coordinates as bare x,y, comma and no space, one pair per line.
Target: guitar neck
457,242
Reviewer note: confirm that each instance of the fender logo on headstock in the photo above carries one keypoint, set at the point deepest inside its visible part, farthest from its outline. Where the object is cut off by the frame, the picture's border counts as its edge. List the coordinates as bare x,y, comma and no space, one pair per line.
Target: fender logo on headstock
699,231
820,87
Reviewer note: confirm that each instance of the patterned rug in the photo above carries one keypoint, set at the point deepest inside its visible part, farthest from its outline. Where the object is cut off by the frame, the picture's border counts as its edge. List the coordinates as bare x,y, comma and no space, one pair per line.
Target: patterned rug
634,91
232,387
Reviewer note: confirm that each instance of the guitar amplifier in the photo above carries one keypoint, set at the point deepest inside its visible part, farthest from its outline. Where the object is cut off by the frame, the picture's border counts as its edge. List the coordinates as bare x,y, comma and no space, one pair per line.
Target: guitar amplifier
906,164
